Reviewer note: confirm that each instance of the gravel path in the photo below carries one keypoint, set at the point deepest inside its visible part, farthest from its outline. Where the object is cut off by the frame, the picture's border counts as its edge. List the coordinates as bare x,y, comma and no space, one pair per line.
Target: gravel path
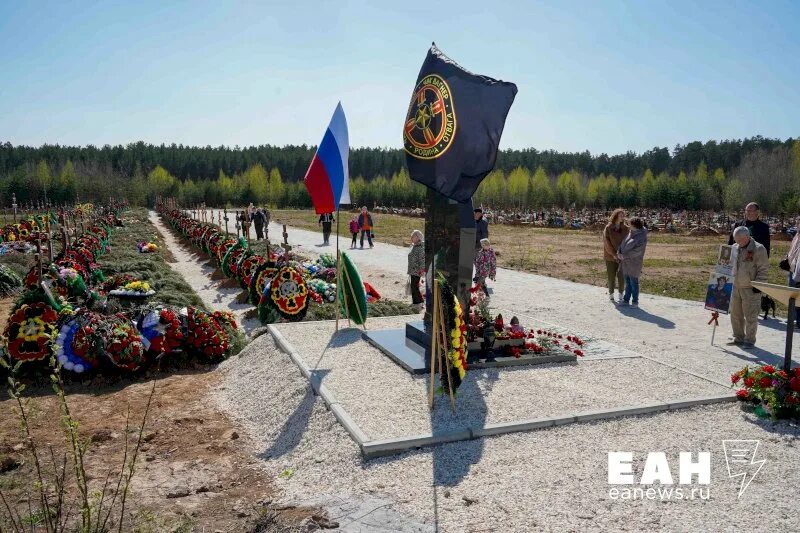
197,271
371,387
547,480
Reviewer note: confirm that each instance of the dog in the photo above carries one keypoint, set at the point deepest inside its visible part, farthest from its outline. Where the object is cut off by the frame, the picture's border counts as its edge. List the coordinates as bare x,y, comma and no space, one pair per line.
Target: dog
767,303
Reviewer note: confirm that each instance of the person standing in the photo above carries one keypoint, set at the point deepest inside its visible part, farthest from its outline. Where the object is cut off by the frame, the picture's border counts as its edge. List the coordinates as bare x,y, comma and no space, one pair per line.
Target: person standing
416,267
759,229
366,226
258,223
752,264
792,264
631,256
354,231
613,234
481,228
485,265
326,219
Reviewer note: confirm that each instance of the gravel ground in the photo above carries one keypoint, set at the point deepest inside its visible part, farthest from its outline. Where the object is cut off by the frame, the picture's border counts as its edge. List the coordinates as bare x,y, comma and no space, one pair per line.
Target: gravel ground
548,480
197,272
370,386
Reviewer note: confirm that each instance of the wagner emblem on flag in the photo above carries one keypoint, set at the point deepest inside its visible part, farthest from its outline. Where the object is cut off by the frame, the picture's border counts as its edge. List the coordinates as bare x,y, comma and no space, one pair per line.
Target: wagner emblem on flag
431,120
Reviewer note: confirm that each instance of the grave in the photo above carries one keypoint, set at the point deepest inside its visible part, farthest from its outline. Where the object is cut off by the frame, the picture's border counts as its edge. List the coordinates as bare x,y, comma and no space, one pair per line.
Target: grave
450,237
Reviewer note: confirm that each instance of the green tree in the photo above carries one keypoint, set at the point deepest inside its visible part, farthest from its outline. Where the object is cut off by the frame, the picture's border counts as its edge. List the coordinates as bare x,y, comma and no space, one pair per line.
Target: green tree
159,183
255,182
517,183
648,190
540,192
40,181
569,189
628,195
734,195
275,188
65,186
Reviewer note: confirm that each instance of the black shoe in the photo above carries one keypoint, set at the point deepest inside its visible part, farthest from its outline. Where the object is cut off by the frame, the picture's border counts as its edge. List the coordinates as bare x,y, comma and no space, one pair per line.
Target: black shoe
748,345
735,342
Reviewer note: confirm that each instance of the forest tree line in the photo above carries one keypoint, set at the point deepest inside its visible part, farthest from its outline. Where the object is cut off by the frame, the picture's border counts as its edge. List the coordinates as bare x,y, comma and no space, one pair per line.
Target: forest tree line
695,176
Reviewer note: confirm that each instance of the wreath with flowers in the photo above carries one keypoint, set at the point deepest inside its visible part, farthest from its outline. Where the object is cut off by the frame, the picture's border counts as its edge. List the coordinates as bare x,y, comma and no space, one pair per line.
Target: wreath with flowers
206,339
231,258
261,277
11,233
456,334
289,294
222,249
163,330
30,331
79,343
125,348
248,267
24,230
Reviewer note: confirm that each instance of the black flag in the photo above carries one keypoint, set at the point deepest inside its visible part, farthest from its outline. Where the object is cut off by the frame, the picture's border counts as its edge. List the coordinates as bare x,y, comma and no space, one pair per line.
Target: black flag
453,126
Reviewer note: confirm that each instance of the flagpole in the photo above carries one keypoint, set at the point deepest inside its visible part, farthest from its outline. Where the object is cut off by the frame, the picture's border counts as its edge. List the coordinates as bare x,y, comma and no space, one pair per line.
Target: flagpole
338,268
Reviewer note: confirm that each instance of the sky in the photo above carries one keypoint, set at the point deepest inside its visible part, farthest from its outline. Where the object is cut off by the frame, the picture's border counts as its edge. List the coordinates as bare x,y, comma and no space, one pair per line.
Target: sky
599,76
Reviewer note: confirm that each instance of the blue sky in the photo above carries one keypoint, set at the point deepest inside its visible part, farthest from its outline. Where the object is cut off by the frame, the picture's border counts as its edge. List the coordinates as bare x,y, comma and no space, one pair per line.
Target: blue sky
602,76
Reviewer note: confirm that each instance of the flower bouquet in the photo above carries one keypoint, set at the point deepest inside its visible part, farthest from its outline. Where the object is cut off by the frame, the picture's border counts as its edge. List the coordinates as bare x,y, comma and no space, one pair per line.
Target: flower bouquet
207,338
134,289
147,247
125,348
775,393
164,330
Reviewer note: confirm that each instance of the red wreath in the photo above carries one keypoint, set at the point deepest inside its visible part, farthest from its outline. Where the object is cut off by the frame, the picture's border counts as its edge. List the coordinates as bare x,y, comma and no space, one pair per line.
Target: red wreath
288,292
31,331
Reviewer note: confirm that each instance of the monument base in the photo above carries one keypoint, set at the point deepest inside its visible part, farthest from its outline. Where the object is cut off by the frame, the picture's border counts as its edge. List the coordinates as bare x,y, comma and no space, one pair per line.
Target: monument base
410,348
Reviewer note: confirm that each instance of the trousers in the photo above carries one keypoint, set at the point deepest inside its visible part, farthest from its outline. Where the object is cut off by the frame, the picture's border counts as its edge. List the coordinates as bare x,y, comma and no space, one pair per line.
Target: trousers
745,306
614,273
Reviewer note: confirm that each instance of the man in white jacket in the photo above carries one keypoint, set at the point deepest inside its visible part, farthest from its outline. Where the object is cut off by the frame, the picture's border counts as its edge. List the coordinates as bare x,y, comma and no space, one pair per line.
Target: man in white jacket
752,264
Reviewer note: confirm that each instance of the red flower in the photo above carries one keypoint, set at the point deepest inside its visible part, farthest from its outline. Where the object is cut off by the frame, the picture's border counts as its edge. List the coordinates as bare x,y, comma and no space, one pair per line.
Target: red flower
735,378
765,382
749,382
579,353
794,383
742,394
769,369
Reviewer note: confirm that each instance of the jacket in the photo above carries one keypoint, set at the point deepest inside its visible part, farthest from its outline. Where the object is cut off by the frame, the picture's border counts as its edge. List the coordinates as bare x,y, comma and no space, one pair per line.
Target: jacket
481,231
416,259
353,226
612,238
326,218
365,222
758,230
632,250
486,263
794,256
259,219
752,264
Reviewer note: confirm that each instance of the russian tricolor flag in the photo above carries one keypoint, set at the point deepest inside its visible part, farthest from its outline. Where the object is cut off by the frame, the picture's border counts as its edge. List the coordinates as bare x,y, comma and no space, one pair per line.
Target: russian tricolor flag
327,178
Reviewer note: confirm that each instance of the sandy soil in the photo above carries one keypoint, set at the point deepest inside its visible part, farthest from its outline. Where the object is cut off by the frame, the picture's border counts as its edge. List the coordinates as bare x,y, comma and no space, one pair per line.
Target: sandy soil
193,470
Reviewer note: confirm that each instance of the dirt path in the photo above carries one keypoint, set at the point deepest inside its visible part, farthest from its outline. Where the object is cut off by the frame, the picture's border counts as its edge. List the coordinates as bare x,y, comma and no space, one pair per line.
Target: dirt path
197,271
